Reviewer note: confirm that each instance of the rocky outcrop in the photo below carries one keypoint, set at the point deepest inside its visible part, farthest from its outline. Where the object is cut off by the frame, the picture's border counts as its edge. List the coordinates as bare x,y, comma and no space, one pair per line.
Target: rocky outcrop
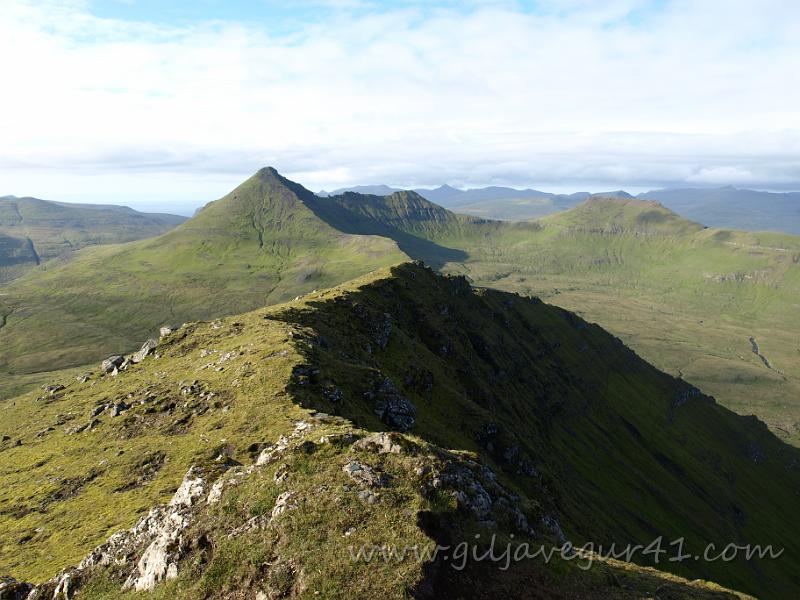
270,454
365,475
148,553
112,363
391,406
11,589
147,348
160,558
380,443
477,491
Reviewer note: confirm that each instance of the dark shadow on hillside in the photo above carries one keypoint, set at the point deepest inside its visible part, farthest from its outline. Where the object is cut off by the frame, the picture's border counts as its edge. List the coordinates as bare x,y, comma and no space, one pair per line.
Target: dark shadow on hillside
346,221
562,409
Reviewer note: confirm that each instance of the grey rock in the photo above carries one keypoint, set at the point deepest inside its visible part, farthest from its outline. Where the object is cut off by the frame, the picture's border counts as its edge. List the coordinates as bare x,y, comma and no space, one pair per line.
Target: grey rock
380,443
365,475
111,363
286,501
147,348
160,559
368,496
119,408
149,552
167,329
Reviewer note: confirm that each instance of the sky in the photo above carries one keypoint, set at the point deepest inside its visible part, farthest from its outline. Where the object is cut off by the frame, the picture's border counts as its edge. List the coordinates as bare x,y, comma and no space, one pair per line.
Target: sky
167,105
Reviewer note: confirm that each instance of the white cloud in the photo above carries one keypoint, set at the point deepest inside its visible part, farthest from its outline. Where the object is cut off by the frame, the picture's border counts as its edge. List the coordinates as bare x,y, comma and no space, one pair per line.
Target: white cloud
696,91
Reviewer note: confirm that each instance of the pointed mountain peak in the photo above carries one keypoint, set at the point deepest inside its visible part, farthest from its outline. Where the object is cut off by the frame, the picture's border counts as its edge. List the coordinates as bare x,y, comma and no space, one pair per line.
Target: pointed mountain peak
268,172
271,175
266,188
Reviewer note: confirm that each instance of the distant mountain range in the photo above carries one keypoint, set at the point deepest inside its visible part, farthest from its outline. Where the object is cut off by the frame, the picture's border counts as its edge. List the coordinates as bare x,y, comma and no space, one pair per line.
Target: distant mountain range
729,207
735,208
33,230
450,197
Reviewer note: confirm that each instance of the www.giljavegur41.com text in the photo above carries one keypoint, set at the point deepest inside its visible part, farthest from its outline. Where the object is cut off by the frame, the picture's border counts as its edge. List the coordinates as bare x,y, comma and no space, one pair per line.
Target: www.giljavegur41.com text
503,555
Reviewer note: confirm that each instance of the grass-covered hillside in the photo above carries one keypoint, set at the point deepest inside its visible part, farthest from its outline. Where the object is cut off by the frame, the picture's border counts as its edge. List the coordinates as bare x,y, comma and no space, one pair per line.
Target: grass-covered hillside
514,417
689,299
33,231
260,244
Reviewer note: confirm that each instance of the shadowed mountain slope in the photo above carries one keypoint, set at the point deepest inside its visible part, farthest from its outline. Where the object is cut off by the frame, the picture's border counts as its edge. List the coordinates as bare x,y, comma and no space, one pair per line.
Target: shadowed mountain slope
519,418
405,217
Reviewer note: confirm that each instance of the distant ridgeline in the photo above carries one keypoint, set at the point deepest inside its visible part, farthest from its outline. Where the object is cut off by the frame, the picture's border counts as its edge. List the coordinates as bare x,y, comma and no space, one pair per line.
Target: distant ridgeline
33,231
725,207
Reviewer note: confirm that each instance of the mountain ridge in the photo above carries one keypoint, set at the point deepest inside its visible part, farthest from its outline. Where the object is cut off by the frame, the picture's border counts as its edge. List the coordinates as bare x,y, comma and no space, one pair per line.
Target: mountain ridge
547,416
723,207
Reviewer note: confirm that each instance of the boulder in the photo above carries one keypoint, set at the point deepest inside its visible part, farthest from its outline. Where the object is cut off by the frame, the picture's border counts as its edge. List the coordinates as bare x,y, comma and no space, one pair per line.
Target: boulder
365,475
392,406
167,329
119,408
147,348
380,443
111,363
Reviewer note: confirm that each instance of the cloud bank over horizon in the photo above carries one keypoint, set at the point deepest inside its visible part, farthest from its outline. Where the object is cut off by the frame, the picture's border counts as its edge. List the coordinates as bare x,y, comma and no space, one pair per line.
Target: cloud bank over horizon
123,102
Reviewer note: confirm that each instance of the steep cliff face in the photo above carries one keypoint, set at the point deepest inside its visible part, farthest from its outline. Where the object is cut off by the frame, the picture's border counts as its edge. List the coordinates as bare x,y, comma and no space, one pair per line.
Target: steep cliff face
506,417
